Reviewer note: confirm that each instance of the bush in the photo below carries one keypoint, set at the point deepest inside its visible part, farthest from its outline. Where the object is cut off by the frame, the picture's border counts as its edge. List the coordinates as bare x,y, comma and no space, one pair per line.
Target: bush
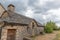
50,26
54,26
48,29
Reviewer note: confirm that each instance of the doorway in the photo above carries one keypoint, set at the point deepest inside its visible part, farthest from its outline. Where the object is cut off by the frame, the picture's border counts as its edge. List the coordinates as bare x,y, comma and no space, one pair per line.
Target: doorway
11,34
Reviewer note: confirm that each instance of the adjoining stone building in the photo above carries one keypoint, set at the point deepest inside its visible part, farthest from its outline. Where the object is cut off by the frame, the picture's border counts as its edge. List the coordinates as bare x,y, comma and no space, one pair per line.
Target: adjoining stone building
14,26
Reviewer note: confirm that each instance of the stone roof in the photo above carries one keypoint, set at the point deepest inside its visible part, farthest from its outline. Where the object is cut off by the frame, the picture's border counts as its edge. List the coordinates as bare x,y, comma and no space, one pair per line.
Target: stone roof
16,18
40,25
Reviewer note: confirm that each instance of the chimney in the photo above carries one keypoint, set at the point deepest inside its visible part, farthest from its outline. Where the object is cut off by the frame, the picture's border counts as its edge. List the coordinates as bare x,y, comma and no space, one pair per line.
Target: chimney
11,7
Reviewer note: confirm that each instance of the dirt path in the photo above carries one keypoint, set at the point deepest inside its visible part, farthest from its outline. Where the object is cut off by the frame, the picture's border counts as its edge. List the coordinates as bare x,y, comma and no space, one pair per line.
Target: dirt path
47,36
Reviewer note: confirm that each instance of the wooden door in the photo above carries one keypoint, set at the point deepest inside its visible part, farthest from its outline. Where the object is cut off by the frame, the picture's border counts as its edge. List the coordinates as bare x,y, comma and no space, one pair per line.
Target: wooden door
11,33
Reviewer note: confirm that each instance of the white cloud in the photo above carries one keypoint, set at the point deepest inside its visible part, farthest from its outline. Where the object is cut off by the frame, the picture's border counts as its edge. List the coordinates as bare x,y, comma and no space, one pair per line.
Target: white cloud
52,14
10,0
43,2
55,12
29,12
44,17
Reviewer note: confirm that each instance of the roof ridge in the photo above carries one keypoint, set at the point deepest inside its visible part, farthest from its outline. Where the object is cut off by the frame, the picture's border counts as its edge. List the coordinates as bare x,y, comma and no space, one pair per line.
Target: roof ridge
2,6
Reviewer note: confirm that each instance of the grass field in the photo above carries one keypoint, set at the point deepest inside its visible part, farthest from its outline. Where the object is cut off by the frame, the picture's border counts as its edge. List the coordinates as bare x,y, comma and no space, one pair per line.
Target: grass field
57,36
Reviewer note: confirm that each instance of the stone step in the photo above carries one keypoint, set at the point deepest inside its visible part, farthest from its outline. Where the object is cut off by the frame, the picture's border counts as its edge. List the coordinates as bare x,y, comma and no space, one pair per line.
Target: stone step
28,38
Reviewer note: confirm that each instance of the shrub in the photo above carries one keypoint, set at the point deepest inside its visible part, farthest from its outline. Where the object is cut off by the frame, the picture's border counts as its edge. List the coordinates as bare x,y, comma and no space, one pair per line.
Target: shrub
48,29
50,26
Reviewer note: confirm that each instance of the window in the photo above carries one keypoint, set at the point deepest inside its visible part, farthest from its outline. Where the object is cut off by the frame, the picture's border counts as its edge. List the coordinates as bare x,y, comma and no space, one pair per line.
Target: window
32,25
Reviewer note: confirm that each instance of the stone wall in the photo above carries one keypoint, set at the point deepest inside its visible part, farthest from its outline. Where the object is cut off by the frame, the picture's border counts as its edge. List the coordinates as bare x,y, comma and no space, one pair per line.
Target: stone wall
40,29
31,30
20,32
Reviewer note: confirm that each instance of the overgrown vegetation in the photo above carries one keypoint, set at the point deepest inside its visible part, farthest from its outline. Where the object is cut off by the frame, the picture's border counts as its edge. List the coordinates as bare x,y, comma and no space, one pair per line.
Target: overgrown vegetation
50,26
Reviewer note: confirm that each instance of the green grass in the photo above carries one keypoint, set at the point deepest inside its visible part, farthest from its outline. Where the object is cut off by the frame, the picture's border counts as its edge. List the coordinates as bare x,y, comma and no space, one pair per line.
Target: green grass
57,37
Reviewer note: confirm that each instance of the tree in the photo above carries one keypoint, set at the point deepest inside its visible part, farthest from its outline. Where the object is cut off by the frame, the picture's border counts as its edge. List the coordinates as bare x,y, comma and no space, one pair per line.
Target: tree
50,26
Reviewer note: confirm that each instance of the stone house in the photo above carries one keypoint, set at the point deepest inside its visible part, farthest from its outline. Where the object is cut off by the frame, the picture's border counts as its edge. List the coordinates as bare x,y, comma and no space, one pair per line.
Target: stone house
14,26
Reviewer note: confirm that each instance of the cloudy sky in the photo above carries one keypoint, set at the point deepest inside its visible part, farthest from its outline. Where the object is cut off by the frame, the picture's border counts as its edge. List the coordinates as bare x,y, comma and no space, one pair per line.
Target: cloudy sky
41,10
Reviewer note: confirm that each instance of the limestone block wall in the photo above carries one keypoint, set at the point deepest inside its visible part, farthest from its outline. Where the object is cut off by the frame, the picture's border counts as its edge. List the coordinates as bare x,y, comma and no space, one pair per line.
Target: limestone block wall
24,32
29,31
20,33
40,29
32,31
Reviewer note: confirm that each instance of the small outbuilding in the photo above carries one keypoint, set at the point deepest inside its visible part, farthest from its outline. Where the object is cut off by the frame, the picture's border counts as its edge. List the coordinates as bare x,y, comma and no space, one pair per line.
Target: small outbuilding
14,26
